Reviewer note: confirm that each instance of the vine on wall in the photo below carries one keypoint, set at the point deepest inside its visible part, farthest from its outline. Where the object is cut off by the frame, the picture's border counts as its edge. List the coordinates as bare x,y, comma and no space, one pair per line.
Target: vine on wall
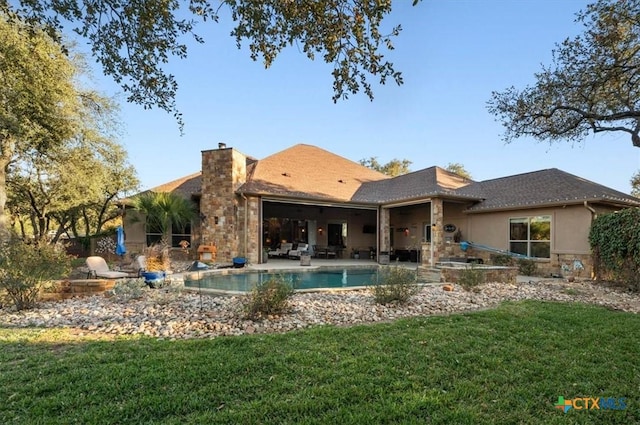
615,242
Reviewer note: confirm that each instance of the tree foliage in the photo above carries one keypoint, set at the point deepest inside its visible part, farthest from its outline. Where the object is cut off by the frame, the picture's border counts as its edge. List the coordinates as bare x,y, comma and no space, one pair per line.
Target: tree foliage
162,210
615,242
70,189
635,184
395,167
135,40
457,168
593,85
59,161
37,97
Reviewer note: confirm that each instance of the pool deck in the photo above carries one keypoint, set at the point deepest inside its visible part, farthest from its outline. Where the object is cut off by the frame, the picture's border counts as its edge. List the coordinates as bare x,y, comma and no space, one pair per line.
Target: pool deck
284,263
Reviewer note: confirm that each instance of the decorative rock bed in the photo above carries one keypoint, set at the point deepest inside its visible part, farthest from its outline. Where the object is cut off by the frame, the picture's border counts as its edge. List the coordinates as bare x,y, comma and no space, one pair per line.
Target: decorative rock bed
187,315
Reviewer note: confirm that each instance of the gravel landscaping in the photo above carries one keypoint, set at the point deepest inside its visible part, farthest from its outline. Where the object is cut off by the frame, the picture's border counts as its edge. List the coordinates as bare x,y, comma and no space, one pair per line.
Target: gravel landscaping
182,315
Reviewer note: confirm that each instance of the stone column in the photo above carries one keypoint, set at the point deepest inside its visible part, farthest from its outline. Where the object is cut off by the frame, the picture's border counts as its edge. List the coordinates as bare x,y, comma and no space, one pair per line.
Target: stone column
384,239
437,229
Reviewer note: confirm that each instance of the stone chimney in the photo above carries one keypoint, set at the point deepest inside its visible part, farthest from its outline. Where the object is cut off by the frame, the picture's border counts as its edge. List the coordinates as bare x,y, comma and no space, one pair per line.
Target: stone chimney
223,172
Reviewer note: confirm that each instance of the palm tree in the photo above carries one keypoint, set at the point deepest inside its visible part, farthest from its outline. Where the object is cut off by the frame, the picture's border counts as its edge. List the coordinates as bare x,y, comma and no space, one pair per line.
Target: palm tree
162,211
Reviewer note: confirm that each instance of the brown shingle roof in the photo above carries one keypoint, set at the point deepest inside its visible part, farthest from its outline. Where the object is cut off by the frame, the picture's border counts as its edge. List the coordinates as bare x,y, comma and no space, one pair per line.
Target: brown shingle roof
308,172
185,186
304,171
430,182
539,188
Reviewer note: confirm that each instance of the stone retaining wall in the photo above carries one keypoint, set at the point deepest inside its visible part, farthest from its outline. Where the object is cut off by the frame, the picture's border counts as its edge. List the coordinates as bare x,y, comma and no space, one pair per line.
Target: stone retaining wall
65,289
491,274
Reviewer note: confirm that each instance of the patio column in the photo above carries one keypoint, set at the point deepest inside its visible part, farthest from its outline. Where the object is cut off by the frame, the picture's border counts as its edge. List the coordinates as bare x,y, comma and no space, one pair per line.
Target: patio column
437,230
384,240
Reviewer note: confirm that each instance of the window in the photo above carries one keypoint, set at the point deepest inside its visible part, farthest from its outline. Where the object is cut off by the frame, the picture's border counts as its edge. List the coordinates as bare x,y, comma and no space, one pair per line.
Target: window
154,234
531,236
178,234
426,235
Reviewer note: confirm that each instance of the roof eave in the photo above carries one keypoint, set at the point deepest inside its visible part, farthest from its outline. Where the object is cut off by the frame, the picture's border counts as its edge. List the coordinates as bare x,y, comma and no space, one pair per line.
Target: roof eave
612,202
428,197
299,198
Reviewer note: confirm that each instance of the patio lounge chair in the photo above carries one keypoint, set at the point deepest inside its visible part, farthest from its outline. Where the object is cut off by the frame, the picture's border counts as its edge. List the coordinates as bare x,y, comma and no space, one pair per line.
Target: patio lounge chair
136,268
302,248
98,268
282,251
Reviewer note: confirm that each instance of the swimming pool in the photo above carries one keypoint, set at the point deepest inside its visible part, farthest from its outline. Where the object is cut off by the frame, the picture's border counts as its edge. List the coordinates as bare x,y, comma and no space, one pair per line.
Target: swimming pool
300,280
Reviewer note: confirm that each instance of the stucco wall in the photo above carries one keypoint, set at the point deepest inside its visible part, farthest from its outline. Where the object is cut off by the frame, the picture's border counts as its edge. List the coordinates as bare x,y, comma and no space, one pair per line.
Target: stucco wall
569,228
135,233
453,214
569,235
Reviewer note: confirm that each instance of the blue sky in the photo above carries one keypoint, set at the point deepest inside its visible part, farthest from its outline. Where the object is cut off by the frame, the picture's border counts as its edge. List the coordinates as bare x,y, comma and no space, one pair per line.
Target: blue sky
452,55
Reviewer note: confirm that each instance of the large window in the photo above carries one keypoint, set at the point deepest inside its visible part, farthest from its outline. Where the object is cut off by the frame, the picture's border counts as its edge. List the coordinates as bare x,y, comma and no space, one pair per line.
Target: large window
531,236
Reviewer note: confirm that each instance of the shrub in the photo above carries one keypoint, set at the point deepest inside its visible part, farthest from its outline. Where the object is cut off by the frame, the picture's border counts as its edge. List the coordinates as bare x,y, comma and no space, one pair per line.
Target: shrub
269,297
615,242
527,267
126,290
26,268
501,260
395,284
470,278
105,245
4,299
157,256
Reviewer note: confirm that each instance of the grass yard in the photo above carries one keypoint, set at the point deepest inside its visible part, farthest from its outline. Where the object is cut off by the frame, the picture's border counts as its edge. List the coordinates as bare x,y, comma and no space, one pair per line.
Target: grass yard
508,365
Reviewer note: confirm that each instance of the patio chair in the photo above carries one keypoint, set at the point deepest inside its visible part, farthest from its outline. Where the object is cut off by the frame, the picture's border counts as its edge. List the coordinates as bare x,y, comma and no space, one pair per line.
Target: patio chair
302,248
281,251
98,267
136,268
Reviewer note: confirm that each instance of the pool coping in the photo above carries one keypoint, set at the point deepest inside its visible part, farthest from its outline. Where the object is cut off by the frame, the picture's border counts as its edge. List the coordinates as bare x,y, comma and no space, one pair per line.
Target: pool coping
275,270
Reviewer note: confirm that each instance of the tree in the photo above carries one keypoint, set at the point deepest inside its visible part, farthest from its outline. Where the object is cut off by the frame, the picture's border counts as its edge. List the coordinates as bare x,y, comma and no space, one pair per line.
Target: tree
37,97
134,40
395,167
593,85
635,184
72,187
163,210
458,169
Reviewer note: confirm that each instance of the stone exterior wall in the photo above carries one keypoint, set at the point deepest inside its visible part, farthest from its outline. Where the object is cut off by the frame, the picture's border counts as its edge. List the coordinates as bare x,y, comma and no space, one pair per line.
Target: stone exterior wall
569,265
559,264
223,172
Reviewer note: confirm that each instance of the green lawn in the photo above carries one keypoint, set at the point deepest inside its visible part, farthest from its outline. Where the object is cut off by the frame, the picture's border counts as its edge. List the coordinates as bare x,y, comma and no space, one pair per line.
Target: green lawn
506,365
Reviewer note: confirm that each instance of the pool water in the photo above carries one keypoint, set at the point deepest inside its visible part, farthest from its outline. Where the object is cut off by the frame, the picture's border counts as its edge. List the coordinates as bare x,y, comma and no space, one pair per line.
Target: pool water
320,279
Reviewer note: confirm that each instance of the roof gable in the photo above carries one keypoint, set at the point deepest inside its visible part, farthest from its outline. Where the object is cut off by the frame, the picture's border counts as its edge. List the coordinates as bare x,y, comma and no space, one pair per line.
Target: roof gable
184,186
306,171
429,182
